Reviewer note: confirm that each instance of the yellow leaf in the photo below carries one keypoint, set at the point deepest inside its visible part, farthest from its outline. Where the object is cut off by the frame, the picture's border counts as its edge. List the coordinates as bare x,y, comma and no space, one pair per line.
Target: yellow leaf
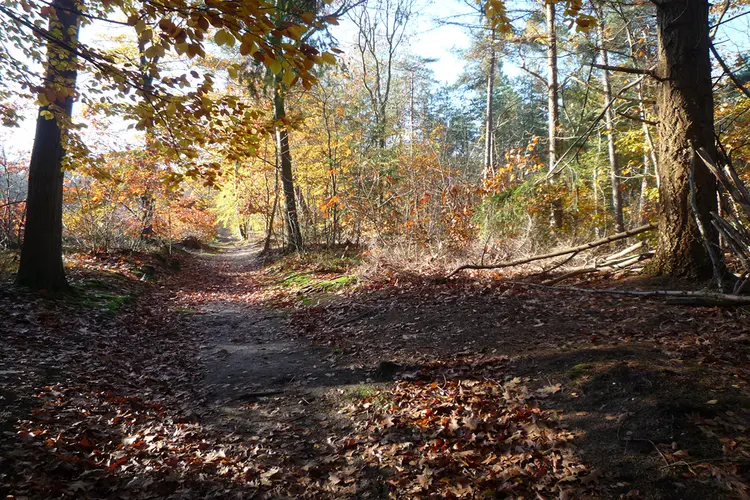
222,37
247,48
274,66
288,78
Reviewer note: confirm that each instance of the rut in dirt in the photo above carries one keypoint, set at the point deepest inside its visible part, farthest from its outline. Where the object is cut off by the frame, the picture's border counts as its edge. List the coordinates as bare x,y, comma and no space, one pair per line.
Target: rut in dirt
247,350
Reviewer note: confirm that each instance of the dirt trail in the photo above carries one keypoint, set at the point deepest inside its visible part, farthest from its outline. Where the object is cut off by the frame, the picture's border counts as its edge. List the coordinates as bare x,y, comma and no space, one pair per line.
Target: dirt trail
621,388
257,375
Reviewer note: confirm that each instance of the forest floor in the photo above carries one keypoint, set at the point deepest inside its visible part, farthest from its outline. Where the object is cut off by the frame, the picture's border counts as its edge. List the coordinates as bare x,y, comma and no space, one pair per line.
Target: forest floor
221,374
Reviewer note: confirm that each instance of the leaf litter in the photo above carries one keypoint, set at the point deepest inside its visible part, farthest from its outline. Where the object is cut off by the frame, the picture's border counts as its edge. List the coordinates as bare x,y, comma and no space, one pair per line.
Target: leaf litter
488,398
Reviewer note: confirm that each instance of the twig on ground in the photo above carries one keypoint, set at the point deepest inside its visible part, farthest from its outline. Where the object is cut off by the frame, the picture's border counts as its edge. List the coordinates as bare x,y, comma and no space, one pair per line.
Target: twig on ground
255,395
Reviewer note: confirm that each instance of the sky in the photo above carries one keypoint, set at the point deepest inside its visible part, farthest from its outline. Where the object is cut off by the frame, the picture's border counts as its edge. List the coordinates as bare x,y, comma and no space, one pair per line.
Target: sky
430,35
428,38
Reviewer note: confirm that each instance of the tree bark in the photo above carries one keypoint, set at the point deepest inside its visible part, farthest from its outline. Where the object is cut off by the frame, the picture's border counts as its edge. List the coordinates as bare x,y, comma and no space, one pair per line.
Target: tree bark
553,110
686,123
41,265
489,159
294,235
609,121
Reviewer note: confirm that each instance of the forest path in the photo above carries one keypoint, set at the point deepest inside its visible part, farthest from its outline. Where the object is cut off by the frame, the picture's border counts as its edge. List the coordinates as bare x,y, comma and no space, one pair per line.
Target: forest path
625,375
260,381
247,349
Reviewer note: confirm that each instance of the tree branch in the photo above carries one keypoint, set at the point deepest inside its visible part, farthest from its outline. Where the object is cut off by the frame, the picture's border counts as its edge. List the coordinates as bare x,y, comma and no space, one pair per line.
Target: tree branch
637,119
625,69
729,73
576,249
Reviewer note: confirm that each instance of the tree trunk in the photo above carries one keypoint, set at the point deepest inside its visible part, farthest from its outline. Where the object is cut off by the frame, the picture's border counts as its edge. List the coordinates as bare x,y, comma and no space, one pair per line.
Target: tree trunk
271,215
686,122
294,234
609,121
649,152
489,159
41,265
148,198
553,110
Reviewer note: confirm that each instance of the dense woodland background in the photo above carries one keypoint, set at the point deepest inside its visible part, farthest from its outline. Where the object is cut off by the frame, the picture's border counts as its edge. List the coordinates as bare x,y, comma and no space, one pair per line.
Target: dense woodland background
281,134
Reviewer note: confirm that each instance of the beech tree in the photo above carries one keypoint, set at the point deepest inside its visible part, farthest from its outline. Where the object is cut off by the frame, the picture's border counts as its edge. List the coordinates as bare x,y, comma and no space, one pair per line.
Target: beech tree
180,26
41,263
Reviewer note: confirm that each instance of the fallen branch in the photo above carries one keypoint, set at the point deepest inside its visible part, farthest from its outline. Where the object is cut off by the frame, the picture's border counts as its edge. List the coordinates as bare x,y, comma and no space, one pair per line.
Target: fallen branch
558,253
608,265
734,238
556,266
714,253
356,317
719,299
622,253
256,395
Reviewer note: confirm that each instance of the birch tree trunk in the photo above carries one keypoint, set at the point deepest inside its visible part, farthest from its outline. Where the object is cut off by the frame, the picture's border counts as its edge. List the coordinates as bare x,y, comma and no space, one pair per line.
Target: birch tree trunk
489,160
609,121
553,110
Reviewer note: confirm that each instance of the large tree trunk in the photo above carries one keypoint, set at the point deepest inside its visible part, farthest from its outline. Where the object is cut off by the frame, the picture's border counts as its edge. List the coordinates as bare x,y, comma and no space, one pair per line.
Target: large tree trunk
294,236
41,265
686,122
489,147
609,121
553,110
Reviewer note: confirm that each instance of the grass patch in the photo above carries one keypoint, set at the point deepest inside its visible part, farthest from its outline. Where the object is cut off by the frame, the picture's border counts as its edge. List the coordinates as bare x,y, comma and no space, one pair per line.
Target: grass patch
336,283
375,394
8,262
580,370
110,302
298,280
308,283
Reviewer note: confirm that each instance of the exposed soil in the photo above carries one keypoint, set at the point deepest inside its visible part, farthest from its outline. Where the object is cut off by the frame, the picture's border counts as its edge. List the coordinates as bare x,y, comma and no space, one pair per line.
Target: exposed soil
215,385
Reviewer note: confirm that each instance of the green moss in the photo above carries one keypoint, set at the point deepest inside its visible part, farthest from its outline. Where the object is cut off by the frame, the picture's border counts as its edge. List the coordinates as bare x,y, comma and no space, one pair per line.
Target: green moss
336,283
580,370
106,301
116,302
298,280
